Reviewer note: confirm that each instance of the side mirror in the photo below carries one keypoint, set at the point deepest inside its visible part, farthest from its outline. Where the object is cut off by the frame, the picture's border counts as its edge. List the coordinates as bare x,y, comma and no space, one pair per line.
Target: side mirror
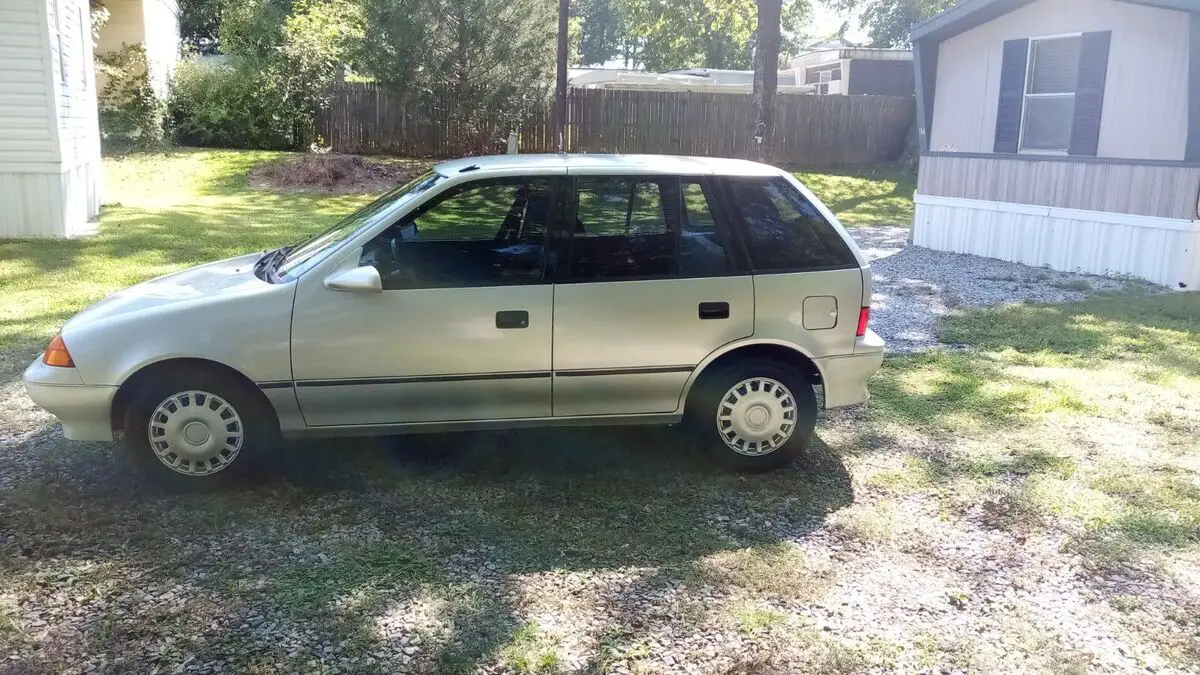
360,279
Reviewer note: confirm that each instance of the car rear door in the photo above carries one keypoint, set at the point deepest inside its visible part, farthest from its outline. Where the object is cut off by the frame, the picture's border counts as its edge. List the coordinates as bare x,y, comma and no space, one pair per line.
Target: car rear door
651,280
808,283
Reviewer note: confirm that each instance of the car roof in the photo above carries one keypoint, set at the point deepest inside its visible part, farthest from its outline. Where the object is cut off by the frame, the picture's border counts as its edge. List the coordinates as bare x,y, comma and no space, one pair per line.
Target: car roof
600,163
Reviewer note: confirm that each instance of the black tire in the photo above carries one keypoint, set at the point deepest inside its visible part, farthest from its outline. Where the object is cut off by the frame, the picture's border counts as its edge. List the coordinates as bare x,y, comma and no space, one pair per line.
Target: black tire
706,397
259,427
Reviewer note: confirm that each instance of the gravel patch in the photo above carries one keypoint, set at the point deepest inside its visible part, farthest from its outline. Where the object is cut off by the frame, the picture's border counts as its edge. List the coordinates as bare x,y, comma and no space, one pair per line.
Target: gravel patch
914,286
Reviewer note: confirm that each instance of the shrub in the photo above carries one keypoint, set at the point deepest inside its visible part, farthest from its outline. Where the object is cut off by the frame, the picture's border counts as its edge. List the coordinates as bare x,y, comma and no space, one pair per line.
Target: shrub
234,102
131,114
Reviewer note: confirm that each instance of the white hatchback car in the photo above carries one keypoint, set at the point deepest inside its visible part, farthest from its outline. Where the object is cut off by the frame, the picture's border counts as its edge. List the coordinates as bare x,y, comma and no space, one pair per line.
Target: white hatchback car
492,292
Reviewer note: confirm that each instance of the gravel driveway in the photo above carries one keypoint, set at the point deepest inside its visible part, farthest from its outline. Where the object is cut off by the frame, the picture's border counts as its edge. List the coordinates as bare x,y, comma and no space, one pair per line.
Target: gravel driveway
561,551
915,286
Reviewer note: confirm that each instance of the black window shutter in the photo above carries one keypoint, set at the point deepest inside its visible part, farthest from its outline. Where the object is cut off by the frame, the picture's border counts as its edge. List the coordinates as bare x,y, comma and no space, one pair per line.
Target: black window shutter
1089,93
1012,95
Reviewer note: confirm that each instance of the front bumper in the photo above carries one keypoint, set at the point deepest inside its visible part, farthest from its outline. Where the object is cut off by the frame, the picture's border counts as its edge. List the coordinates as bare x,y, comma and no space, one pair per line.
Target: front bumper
84,410
845,377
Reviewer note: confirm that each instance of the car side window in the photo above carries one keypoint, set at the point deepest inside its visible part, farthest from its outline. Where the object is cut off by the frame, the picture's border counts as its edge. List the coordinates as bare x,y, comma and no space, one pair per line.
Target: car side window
783,231
624,228
484,233
705,249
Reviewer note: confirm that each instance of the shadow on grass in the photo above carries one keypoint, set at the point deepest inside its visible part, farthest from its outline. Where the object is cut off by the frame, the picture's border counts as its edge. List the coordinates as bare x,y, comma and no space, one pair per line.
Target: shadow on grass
959,391
350,539
1162,329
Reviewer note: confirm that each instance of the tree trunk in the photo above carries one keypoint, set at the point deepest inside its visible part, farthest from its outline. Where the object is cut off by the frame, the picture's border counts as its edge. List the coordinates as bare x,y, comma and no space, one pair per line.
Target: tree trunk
766,76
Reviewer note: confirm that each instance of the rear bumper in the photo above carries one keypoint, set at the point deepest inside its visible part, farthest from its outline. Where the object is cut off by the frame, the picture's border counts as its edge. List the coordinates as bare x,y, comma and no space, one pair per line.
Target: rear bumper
84,410
845,377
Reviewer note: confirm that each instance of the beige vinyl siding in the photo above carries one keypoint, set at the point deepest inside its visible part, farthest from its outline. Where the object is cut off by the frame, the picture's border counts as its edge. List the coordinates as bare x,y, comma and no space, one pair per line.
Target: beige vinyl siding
126,25
1139,189
1145,94
26,110
49,140
74,75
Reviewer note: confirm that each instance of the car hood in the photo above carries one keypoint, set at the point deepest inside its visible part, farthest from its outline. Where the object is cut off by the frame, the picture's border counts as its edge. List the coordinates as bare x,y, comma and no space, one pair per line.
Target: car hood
195,285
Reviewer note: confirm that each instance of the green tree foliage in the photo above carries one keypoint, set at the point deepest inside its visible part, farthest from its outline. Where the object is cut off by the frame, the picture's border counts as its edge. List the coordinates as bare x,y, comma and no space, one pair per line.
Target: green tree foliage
227,103
704,33
693,33
130,114
604,31
888,22
199,23
319,38
467,60
253,28
279,60
392,49
794,28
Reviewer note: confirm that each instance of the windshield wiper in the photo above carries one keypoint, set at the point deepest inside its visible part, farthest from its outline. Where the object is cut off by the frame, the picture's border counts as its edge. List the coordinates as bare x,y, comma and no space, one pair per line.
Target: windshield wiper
266,265
285,251
274,258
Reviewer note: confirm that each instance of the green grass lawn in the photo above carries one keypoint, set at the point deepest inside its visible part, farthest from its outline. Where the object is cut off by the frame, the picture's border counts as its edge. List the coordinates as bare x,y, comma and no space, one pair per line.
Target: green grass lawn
1087,412
163,212
870,196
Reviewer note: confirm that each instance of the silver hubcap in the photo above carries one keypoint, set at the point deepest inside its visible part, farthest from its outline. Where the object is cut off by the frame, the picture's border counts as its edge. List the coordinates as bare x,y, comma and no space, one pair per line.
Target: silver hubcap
195,433
756,416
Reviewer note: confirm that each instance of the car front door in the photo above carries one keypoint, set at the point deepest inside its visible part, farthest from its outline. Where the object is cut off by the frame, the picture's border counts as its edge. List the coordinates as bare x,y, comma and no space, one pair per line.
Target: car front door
462,328
654,281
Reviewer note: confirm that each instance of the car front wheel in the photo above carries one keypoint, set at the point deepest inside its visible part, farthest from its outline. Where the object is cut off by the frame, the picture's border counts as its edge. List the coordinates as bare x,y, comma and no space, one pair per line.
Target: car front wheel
754,415
197,429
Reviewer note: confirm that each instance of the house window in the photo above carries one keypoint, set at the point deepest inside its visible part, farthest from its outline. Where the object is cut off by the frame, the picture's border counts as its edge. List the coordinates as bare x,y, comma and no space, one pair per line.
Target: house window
1050,84
823,74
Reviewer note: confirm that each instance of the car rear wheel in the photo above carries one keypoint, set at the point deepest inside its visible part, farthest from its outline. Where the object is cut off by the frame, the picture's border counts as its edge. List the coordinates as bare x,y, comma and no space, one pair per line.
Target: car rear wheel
197,429
753,415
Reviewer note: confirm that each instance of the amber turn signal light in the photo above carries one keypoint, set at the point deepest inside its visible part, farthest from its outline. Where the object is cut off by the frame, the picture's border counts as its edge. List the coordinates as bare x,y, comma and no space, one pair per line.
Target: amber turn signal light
57,354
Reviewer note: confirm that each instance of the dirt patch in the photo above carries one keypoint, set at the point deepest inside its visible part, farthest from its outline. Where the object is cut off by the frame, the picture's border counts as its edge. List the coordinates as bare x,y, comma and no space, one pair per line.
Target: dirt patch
334,173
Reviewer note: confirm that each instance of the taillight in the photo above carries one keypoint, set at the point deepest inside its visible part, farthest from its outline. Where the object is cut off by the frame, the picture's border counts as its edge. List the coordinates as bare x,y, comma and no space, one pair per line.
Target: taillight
57,354
864,316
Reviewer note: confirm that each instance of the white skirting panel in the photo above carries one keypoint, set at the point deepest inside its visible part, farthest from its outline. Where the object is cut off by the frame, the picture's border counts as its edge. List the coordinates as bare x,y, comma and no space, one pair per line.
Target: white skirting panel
1162,250
81,198
50,204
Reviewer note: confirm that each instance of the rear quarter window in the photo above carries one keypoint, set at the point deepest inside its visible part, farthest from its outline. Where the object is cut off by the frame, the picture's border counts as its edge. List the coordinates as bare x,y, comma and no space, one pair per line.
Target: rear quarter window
783,231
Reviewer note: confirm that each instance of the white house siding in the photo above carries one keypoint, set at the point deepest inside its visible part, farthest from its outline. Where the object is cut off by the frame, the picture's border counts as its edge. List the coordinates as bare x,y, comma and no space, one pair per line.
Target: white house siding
75,82
1145,94
27,130
1162,250
152,23
49,140
162,42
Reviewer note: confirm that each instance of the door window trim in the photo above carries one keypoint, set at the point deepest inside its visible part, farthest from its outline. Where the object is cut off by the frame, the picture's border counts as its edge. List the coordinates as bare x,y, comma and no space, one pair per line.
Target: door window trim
743,231
553,218
724,219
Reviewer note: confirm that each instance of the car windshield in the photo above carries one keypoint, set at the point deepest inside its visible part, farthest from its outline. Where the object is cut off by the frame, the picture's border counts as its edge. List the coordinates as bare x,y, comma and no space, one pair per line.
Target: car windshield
306,255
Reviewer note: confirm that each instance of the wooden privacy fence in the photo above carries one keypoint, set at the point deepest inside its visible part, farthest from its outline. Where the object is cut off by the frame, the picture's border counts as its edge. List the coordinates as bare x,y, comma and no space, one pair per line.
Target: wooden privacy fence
814,130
